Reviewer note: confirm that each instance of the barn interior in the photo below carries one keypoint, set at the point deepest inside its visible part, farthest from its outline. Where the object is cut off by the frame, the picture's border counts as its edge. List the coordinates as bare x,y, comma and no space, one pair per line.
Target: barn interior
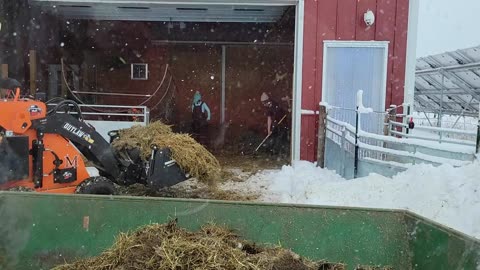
159,55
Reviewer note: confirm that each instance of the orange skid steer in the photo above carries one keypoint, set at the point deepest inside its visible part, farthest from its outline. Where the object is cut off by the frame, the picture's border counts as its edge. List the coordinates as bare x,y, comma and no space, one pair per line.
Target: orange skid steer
42,149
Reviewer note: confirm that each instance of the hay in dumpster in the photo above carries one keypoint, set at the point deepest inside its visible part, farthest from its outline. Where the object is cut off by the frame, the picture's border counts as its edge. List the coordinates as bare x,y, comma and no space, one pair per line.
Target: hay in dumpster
192,157
166,246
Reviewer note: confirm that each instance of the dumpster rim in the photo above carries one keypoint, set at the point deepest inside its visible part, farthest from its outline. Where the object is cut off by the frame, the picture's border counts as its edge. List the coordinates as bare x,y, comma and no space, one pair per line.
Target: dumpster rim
249,203
404,212
445,228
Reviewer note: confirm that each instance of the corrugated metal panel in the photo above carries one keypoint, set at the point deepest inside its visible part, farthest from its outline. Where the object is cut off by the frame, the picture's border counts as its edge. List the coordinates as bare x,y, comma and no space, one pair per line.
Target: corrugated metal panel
184,11
455,76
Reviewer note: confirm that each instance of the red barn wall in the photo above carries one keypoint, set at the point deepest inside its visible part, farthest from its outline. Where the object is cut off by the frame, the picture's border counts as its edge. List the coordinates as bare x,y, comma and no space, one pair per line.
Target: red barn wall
250,70
343,20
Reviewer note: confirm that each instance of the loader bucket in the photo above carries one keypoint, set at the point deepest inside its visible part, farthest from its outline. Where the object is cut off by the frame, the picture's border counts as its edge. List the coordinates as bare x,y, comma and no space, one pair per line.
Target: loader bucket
39,231
164,171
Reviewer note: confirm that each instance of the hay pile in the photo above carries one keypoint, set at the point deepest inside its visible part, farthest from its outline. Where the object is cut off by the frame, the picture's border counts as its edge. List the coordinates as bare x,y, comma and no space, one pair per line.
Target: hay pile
192,157
167,246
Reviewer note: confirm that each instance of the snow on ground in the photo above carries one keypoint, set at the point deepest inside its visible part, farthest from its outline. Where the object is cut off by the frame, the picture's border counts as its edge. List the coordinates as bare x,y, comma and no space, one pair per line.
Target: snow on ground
448,195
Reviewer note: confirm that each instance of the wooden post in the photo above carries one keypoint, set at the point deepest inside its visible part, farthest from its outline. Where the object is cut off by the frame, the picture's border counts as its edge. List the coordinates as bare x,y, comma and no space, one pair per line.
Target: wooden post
478,133
386,124
478,138
4,71
33,72
391,116
63,77
322,132
4,74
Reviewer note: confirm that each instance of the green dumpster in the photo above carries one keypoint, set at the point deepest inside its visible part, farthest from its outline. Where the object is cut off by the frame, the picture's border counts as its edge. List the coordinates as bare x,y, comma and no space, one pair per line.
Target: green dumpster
39,231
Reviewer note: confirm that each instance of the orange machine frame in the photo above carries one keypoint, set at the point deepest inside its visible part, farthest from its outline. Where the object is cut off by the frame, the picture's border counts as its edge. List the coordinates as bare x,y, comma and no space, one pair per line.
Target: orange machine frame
16,116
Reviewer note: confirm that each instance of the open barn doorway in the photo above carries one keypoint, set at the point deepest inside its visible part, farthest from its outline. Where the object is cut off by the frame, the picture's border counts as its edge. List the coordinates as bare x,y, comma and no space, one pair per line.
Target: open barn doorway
239,58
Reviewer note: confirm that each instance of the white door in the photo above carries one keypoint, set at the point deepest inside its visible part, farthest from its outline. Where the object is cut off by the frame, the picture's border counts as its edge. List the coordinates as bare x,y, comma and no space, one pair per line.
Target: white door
353,66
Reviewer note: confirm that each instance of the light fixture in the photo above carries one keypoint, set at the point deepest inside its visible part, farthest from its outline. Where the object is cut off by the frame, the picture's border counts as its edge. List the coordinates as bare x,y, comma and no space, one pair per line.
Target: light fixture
369,18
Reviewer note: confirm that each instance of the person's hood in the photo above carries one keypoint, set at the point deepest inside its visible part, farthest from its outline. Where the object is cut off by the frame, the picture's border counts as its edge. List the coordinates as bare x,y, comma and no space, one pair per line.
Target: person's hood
197,97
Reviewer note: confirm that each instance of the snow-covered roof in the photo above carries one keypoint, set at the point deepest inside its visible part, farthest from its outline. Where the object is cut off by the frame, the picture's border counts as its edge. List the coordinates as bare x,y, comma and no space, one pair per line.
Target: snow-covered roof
449,83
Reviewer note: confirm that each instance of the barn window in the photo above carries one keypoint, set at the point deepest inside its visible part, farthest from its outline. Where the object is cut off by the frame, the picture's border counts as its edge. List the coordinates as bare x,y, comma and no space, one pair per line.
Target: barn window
139,72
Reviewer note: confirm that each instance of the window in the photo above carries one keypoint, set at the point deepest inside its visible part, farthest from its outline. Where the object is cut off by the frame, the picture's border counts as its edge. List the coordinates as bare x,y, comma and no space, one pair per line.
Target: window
139,72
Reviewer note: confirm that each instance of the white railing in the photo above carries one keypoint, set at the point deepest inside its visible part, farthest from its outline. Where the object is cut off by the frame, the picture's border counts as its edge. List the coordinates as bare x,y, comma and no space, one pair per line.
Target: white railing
105,118
384,151
353,152
140,114
434,134
383,146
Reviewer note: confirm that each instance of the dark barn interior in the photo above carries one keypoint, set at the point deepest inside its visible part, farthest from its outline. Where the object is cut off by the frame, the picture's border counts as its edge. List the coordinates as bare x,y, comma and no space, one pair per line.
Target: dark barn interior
157,56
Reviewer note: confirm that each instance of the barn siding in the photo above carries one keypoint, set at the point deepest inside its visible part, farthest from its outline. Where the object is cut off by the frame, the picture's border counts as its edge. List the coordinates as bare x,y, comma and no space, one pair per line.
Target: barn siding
343,20
365,33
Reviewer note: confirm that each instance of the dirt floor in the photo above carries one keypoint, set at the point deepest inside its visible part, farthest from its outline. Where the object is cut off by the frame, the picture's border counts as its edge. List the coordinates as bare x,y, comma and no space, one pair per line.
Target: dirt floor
236,168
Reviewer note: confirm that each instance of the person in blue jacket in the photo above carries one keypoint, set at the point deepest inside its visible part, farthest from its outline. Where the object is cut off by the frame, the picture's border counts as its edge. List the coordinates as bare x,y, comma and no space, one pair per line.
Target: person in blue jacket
200,117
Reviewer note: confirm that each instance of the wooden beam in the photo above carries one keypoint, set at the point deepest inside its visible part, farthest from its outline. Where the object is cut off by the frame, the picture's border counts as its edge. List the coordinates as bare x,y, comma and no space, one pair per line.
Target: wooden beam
64,85
4,71
3,74
33,72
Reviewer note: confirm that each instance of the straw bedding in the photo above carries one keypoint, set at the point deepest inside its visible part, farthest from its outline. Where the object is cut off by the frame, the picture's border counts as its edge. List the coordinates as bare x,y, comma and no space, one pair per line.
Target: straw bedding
192,157
166,246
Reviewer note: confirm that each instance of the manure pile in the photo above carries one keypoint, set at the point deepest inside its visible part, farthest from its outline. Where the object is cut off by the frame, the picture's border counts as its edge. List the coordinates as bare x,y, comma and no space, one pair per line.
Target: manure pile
167,246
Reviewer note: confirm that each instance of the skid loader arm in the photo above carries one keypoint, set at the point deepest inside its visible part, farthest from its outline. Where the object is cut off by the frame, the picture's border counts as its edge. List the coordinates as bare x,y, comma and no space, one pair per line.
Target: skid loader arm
124,168
89,142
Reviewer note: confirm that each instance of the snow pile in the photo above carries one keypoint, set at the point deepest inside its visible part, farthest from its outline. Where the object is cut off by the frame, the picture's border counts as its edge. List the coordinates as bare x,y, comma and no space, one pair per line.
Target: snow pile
448,195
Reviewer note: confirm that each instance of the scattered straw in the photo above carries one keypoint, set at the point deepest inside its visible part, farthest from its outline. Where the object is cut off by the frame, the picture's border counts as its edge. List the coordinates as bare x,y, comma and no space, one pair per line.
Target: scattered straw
192,157
167,246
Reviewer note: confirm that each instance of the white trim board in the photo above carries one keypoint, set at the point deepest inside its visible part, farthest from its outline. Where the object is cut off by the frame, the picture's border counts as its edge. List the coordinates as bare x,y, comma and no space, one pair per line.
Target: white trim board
355,44
411,61
183,2
297,82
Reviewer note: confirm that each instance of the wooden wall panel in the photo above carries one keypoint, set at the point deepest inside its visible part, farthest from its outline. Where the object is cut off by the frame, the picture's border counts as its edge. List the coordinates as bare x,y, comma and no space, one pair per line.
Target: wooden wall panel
343,20
400,52
362,31
346,19
326,29
385,31
309,55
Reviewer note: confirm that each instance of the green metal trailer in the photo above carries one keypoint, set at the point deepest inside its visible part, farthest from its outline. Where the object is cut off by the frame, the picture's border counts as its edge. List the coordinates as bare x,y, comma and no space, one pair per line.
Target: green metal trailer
38,231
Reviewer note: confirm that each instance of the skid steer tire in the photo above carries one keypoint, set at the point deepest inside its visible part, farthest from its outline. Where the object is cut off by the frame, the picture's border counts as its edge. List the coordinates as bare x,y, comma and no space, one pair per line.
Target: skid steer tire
96,185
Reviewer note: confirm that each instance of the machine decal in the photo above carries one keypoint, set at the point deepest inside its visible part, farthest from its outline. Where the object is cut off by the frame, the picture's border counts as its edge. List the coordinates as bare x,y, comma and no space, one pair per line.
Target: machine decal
67,175
34,110
72,163
78,132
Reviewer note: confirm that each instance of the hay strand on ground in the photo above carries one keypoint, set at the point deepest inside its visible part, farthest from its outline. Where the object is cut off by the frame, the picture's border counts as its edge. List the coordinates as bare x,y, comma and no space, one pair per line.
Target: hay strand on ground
192,157
167,246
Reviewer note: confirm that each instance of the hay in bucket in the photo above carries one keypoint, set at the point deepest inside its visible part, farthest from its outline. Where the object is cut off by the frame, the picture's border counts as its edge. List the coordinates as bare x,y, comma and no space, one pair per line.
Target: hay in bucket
192,157
167,246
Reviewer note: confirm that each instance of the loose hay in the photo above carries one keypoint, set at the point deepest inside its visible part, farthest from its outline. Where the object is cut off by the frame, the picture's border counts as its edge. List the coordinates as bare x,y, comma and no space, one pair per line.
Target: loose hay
167,246
192,157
